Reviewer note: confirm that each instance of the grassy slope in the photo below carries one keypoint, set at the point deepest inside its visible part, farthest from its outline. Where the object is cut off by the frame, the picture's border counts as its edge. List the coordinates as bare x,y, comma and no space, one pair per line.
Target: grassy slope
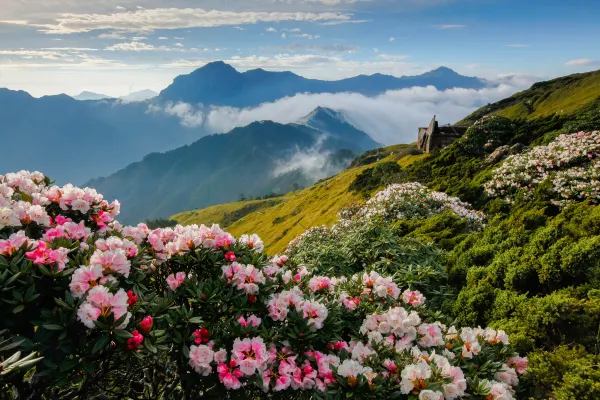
562,96
297,211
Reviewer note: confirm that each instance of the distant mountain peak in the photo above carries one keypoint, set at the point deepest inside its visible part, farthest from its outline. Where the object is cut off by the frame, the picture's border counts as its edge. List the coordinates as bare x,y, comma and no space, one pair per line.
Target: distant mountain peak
217,66
441,71
321,115
86,95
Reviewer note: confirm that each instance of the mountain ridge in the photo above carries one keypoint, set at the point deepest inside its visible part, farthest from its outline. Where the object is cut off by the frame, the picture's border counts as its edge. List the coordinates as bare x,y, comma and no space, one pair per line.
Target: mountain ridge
218,83
259,158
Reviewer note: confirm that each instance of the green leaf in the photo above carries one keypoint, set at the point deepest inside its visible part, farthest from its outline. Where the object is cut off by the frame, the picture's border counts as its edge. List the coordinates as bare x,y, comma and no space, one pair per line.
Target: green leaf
123,334
195,320
18,309
100,344
53,327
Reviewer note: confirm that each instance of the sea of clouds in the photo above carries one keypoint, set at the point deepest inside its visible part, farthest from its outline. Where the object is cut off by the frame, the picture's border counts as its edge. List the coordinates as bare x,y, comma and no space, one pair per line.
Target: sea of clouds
390,118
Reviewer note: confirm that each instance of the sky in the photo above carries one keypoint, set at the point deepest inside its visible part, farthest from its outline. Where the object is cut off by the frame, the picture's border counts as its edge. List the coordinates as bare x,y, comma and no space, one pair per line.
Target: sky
115,47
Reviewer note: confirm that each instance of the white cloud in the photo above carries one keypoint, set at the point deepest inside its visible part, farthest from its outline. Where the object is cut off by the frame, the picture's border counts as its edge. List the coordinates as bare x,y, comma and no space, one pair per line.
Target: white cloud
314,162
392,39
307,36
283,35
163,38
392,57
292,30
178,38
390,118
271,29
582,61
239,28
138,38
120,8
139,46
145,20
188,116
332,48
111,35
450,26
516,45
131,46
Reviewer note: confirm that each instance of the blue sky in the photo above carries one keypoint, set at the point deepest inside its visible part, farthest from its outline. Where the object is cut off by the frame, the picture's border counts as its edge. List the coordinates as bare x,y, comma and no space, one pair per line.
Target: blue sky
118,46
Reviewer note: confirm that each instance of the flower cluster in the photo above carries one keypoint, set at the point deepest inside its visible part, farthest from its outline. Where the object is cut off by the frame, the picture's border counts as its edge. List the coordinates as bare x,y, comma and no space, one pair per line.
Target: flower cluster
199,297
413,200
570,163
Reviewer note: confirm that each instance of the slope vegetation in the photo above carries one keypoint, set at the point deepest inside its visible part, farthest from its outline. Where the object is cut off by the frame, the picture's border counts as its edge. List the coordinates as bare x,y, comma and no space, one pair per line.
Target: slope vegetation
277,224
564,96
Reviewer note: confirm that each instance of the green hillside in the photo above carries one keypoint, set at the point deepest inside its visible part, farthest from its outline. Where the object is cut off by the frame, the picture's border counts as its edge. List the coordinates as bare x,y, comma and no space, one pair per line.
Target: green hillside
278,221
562,97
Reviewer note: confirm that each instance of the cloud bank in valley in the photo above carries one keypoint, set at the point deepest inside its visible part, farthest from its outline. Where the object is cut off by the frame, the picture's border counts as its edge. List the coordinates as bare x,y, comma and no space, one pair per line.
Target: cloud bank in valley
390,118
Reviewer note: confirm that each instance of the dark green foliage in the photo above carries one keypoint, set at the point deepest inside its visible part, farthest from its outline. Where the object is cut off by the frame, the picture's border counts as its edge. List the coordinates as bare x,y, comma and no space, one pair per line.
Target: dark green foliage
486,135
566,373
375,177
160,223
531,275
397,150
377,247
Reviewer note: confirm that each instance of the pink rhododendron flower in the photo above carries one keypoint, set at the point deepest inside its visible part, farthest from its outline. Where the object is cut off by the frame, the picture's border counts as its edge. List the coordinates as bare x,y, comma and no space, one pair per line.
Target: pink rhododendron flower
145,325
413,297
112,261
135,342
249,354
315,313
47,256
84,278
174,281
200,359
253,242
230,256
229,375
14,242
520,364
106,303
320,283
252,320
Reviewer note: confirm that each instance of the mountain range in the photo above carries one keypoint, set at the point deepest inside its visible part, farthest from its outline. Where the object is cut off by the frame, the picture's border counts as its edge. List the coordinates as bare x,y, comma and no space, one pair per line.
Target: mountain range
140,95
103,136
263,157
218,83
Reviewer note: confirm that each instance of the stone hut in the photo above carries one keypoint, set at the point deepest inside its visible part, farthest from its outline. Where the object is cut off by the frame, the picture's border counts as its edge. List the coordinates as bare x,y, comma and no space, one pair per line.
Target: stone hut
437,137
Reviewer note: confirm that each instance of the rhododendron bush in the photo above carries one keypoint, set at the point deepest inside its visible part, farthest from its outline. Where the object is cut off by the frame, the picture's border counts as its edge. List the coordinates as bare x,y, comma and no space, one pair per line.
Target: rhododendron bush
192,311
570,164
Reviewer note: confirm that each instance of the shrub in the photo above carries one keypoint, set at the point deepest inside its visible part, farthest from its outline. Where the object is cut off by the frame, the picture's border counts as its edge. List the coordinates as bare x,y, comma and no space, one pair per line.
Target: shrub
189,312
486,134
569,163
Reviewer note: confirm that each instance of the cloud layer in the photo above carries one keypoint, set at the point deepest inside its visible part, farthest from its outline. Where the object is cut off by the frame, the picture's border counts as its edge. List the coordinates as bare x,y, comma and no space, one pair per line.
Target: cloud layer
146,20
389,118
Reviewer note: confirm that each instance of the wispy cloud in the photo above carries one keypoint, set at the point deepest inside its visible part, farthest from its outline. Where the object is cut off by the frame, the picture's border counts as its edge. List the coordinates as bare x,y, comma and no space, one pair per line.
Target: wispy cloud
271,29
137,46
145,20
392,39
450,26
583,61
334,48
307,36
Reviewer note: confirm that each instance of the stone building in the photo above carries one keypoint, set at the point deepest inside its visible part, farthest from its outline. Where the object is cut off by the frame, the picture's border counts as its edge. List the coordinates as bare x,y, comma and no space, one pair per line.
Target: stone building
437,137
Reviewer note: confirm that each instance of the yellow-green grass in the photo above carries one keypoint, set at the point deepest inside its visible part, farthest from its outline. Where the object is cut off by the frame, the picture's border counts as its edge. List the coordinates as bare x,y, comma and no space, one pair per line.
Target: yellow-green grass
561,96
215,214
278,224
